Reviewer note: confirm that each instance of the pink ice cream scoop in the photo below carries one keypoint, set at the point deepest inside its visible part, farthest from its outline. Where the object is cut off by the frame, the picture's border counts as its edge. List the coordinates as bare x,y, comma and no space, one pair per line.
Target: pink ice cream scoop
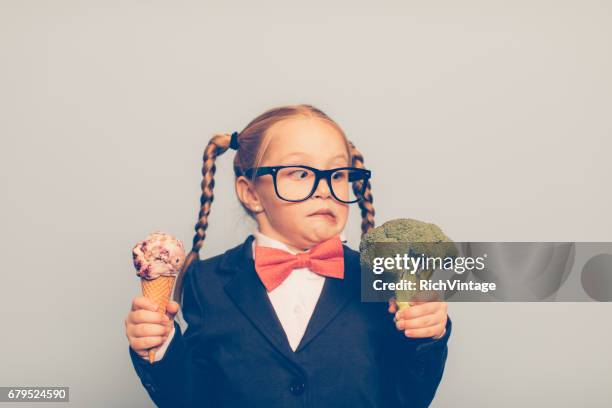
159,254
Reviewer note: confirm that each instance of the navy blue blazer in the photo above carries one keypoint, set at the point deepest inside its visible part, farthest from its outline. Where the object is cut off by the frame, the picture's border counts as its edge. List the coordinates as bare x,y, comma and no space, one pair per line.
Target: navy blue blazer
234,352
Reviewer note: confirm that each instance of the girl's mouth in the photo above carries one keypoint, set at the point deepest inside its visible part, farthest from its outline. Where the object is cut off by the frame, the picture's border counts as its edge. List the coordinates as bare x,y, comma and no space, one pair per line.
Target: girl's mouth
326,215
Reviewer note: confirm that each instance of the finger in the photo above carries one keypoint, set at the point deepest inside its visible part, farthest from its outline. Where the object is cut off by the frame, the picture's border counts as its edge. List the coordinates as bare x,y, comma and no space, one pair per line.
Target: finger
143,302
146,316
425,296
141,353
424,332
416,310
145,343
421,310
419,322
172,308
148,330
440,335
399,325
392,305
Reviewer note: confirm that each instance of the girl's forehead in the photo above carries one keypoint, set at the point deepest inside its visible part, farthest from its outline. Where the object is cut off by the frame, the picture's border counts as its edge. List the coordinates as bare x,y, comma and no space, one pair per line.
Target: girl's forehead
306,158
305,140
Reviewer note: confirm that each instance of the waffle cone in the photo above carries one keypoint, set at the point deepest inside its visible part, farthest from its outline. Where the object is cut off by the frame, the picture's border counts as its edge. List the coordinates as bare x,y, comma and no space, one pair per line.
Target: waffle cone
158,290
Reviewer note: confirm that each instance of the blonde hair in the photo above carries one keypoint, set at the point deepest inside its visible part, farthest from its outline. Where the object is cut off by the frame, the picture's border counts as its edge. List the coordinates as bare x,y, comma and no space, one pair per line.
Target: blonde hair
254,141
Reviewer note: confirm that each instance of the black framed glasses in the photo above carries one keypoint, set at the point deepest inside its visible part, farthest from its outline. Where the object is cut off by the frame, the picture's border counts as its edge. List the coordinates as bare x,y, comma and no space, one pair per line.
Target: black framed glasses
298,183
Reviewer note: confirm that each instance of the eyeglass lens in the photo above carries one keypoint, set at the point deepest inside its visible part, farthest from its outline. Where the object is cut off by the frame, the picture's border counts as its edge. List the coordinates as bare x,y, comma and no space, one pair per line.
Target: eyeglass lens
296,183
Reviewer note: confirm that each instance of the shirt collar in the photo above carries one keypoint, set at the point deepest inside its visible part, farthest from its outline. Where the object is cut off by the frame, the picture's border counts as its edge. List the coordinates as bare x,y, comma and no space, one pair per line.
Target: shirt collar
265,240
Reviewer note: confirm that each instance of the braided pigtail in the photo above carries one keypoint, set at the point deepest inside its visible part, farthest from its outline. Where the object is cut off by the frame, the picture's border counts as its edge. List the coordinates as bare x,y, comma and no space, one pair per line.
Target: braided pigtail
367,209
217,146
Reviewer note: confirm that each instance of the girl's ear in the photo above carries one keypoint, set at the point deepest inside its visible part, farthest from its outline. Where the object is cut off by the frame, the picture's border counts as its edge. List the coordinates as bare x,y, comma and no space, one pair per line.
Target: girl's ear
247,195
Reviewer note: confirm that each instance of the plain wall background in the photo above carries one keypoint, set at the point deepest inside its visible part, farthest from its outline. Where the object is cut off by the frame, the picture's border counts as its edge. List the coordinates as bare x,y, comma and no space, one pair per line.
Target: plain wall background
489,118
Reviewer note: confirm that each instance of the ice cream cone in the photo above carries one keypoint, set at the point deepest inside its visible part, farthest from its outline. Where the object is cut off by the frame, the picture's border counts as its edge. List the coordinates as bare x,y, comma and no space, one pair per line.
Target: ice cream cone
158,259
158,290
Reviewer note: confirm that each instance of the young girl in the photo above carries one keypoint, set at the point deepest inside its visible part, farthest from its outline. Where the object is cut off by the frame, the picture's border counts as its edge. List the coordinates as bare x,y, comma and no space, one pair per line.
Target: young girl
277,321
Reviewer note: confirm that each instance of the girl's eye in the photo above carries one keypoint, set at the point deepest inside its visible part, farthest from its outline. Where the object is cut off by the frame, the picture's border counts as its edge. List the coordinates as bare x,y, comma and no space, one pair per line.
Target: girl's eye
299,174
339,175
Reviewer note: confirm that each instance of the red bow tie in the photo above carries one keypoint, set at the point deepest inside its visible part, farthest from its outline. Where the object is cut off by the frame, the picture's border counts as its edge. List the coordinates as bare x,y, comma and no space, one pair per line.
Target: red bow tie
274,265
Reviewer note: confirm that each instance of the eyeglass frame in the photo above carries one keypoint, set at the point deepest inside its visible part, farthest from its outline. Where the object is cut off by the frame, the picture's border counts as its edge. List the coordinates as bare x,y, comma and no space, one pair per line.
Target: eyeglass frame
319,174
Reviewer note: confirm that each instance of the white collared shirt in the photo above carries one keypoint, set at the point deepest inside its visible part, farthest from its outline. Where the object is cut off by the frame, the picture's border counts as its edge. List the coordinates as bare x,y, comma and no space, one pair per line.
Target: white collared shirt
293,300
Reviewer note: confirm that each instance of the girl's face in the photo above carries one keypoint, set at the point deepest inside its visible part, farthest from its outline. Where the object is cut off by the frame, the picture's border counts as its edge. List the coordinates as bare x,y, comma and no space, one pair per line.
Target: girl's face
299,141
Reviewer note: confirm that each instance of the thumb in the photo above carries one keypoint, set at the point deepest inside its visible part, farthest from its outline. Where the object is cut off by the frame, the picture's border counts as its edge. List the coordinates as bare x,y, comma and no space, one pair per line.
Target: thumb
392,305
172,309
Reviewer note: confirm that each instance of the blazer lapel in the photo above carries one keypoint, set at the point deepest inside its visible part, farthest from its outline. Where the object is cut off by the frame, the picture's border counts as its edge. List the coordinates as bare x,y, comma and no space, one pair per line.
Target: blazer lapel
334,296
249,294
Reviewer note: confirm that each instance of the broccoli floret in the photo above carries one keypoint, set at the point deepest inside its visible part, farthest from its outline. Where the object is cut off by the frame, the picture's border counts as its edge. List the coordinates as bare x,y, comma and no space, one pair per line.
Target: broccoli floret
413,237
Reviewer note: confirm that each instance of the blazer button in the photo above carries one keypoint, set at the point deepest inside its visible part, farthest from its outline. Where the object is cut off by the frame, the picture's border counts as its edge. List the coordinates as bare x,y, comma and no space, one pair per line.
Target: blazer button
297,387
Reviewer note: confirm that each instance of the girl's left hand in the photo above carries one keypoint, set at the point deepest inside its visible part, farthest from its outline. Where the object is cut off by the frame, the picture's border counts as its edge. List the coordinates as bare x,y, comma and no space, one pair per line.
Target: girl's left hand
421,319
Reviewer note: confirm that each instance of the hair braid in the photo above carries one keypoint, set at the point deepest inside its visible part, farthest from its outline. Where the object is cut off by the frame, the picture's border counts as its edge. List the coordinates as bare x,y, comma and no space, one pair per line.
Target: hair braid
217,146
367,209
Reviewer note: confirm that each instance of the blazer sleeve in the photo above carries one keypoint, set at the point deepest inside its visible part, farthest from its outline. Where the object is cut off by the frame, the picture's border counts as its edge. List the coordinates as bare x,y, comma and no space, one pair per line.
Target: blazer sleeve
170,381
419,368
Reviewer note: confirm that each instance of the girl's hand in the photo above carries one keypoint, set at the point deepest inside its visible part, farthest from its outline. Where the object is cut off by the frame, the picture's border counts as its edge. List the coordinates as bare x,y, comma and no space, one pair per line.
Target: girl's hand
145,327
422,319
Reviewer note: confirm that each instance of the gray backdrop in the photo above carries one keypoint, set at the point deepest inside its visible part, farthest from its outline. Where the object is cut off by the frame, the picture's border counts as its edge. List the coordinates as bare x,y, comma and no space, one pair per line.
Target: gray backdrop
489,118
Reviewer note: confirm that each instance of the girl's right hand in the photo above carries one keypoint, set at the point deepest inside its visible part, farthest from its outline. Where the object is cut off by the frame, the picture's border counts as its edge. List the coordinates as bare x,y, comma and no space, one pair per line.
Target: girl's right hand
145,327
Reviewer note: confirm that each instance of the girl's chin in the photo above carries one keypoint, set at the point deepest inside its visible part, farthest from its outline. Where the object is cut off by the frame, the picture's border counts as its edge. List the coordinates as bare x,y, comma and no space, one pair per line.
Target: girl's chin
320,231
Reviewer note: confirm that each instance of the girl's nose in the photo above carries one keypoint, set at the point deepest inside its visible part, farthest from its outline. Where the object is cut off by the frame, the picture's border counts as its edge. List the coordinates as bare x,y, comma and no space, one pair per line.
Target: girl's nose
322,189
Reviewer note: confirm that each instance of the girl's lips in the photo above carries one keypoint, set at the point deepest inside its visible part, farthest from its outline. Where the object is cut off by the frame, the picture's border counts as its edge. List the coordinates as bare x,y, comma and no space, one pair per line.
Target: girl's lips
326,216
323,212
